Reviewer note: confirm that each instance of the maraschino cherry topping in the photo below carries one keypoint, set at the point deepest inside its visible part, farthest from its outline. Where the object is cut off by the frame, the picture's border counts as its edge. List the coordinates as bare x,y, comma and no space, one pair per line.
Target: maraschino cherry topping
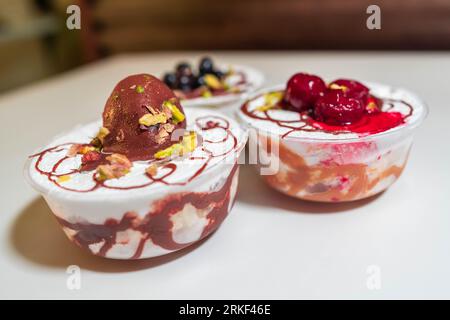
344,104
341,107
351,88
337,108
303,90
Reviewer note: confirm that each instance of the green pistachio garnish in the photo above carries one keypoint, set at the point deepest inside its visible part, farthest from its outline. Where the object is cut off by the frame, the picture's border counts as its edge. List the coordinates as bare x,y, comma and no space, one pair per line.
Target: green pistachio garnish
213,82
104,172
335,86
152,119
102,133
139,89
206,94
273,98
188,144
177,115
118,166
270,101
172,150
264,108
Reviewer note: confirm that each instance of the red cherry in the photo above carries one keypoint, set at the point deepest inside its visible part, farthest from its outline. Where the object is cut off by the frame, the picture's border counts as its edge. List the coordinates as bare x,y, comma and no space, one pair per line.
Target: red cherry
351,88
303,90
336,108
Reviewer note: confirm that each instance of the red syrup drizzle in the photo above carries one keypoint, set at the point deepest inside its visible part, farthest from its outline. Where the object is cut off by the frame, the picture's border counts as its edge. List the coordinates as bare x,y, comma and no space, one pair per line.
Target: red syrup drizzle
369,124
205,123
156,225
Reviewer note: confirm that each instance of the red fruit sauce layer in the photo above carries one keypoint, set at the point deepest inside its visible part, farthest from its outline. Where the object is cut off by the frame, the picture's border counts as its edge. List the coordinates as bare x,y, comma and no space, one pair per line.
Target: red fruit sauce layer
156,225
204,123
369,124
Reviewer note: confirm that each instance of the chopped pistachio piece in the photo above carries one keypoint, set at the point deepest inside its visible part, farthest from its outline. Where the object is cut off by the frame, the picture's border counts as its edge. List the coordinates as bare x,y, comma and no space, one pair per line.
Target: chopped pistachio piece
151,170
265,108
96,143
161,136
189,142
64,178
151,110
139,89
335,86
119,159
206,94
167,111
74,150
150,119
109,171
213,82
118,166
168,127
104,172
172,150
273,98
270,101
86,149
102,133
371,106
177,115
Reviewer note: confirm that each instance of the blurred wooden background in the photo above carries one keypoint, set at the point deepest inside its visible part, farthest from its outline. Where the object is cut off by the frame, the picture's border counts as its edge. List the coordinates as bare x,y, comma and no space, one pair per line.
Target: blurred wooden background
268,24
35,43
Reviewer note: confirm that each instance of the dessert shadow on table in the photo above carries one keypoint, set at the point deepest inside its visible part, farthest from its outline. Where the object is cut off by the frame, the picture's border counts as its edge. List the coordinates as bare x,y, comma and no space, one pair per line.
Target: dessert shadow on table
262,195
37,237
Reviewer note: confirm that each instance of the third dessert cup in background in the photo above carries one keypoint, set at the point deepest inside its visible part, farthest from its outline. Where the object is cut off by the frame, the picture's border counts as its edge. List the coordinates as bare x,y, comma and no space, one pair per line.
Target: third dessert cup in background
212,85
313,163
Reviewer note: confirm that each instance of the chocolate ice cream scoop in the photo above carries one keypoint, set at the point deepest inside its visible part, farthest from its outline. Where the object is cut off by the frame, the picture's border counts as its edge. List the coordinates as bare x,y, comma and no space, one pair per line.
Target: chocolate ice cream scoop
141,117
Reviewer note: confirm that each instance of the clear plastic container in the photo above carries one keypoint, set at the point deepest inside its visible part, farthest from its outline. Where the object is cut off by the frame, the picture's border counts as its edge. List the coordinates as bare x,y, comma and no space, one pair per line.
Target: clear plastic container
334,169
136,216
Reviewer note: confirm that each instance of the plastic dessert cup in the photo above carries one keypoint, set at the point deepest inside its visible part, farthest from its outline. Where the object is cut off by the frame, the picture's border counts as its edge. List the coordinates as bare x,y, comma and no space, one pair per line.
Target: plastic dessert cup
139,215
324,168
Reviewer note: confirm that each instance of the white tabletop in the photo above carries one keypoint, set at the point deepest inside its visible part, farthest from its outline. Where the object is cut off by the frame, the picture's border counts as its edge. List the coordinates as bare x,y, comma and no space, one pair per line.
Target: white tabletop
270,246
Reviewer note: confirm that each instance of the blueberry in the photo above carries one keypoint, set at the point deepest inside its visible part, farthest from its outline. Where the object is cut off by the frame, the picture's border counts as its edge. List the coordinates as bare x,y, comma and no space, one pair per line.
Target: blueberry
196,82
201,81
206,65
183,68
185,88
186,82
170,79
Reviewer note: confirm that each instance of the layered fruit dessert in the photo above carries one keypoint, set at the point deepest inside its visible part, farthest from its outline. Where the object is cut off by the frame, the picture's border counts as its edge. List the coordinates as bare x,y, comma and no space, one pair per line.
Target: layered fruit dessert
209,83
339,141
148,179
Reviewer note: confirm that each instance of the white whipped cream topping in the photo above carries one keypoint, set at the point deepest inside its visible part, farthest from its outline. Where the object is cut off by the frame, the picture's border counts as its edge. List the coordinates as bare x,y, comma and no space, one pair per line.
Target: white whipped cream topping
225,150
